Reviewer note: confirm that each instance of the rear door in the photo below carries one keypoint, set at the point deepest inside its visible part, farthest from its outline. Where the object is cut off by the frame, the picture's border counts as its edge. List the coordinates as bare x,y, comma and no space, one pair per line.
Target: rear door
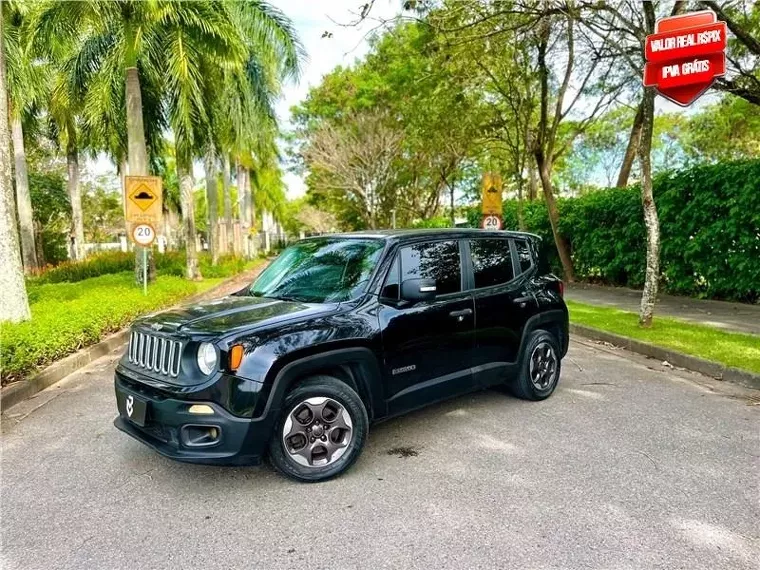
427,345
503,304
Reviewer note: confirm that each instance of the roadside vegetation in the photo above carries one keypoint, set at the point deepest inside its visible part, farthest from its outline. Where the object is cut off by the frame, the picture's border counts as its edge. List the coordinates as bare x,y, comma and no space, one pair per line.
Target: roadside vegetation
74,313
731,349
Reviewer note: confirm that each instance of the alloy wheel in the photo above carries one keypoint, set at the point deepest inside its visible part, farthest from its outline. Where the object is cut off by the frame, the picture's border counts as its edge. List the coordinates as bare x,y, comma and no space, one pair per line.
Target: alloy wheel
317,432
543,366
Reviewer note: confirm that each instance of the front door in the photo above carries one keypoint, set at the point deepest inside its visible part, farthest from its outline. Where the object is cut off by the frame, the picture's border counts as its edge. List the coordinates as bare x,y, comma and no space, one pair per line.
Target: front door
427,345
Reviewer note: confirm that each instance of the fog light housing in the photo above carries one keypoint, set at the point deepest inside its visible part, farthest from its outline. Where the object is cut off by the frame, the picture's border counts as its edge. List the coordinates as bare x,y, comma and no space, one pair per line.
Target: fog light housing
201,410
200,436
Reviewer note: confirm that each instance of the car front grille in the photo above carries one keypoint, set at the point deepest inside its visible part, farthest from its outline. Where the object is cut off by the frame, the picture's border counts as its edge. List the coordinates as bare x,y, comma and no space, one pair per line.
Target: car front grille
162,355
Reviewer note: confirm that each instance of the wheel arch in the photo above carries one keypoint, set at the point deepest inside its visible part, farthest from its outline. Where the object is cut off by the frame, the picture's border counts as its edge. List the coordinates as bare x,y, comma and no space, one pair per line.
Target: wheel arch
554,322
356,366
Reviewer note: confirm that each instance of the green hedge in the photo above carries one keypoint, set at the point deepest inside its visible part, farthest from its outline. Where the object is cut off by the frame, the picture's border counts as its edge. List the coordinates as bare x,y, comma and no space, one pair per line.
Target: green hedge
710,232
107,263
68,316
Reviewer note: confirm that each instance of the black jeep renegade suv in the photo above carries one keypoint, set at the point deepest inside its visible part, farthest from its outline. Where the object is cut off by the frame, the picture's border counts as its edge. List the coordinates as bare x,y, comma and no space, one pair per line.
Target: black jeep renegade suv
338,332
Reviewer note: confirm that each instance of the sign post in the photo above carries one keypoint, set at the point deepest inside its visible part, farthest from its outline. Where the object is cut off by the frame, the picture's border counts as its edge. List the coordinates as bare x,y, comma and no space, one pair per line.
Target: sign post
143,211
492,188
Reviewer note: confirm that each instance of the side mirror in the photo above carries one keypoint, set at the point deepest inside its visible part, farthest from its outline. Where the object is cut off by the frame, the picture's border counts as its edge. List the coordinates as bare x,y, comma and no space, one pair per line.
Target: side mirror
415,290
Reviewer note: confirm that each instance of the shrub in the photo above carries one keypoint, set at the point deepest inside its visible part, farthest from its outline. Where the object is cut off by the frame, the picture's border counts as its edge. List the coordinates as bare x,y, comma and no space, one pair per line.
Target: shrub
68,316
709,222
107,263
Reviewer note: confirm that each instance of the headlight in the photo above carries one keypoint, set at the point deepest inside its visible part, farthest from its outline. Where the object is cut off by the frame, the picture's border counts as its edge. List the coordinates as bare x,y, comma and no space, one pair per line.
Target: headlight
207,358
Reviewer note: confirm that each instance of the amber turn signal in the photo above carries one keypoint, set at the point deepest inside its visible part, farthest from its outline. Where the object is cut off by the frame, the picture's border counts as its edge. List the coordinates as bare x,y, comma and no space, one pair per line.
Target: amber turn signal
236,357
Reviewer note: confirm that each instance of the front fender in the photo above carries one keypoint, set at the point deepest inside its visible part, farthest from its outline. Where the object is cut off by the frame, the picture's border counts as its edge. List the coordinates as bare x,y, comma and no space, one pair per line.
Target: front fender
360,359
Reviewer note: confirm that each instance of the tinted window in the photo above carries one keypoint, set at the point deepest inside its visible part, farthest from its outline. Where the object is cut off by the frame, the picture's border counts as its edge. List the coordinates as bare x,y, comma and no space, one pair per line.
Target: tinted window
439,261
523,254
391,288
491,262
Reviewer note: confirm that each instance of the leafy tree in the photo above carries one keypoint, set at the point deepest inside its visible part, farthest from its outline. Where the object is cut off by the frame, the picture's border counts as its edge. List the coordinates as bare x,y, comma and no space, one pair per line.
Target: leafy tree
52,216
406,85
727,130
743,49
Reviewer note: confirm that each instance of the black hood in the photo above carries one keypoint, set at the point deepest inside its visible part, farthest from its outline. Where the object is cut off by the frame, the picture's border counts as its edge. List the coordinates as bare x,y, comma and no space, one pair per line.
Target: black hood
231,313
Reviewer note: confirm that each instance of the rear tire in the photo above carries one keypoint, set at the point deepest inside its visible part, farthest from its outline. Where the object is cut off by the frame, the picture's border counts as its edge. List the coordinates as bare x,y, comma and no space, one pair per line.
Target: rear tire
320,432
540,367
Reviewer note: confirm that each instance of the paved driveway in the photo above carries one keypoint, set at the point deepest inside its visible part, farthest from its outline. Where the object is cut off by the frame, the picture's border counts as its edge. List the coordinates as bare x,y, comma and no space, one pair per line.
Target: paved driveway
626,466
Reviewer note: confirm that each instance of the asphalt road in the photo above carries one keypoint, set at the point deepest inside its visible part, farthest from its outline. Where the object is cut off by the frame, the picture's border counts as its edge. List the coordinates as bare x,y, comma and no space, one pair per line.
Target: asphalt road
628,465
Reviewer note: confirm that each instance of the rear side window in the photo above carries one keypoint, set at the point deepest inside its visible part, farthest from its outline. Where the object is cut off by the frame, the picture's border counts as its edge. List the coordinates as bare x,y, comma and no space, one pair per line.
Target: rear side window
491,262
523,255
437,260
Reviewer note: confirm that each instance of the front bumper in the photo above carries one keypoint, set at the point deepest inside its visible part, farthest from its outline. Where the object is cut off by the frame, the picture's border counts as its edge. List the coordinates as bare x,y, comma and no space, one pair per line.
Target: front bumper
168,423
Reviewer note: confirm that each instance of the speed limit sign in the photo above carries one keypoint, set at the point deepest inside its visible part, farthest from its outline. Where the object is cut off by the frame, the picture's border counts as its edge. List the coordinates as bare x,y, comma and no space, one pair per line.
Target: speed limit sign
491,223
143,234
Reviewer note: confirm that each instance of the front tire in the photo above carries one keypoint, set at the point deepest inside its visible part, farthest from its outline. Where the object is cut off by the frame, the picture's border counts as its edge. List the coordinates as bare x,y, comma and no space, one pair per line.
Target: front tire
539,368
320,432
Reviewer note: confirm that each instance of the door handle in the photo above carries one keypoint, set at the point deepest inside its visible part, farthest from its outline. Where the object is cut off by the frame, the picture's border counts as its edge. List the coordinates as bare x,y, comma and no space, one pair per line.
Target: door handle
460,314
522,301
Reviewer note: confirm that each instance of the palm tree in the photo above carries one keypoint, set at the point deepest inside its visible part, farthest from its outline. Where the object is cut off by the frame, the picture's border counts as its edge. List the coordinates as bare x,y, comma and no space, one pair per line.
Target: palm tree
244,116
110,36
26,85
14,304
211,166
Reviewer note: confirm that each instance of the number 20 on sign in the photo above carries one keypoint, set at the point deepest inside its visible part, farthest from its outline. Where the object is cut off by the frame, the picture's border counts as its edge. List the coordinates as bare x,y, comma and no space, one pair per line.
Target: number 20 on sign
143,234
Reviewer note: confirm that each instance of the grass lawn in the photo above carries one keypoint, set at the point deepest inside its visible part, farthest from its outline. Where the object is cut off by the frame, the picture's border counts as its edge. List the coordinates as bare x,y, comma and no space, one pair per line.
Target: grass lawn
68,316
732,349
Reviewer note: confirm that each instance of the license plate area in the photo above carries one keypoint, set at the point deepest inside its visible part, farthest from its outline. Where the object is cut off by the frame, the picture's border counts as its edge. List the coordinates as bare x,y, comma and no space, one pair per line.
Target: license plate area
132,407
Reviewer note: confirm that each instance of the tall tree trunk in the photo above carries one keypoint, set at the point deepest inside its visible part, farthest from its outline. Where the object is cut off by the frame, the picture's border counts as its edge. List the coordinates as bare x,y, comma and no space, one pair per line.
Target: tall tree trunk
227,201
210,165
137,155
651,221
544,173
75,197
451,200
23,199
185,174
123,172
532,184
520,213
630,151
249,213
14,304
243,212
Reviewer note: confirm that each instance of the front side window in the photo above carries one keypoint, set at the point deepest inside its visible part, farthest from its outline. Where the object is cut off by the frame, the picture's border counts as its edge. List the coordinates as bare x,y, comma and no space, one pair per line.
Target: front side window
437,260
491,262
320,270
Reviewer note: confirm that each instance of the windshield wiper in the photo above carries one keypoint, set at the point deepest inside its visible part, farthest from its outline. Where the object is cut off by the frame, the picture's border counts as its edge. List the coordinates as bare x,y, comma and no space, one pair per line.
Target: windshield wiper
278,297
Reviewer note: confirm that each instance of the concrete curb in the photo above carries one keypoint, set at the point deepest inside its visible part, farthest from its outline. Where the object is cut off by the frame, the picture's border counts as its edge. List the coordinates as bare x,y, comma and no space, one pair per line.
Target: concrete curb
707,367
12,394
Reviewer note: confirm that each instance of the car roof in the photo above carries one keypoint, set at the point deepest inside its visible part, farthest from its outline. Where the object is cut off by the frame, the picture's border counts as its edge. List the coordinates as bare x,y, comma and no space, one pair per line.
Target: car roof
407,234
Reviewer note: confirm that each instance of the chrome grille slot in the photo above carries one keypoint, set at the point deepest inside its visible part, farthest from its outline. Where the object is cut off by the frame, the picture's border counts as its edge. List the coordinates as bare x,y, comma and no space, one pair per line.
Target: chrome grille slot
154,353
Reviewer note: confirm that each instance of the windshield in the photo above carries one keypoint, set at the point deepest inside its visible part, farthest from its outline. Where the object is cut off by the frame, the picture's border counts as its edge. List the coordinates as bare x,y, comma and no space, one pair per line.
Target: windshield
320,270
